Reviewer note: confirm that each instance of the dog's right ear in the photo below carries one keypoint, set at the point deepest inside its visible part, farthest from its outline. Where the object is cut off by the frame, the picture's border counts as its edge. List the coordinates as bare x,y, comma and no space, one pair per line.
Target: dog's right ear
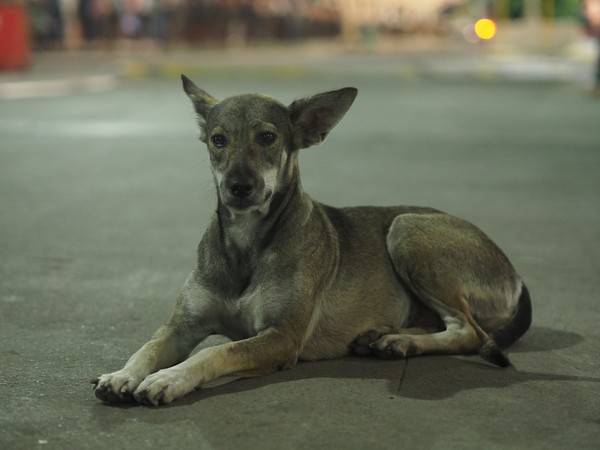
201,100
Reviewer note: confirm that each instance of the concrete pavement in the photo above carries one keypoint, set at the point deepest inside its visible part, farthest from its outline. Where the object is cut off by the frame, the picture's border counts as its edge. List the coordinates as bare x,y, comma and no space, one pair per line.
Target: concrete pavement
105,193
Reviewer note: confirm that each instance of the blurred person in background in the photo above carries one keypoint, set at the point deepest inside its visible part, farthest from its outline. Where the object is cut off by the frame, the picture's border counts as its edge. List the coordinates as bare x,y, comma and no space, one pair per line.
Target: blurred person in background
96,19
591,11
161,15
131,14
85,13
46,23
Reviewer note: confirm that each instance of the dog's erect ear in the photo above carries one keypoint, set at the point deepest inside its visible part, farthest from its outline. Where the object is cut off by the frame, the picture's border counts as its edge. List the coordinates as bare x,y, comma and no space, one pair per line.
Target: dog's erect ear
201,100
314,117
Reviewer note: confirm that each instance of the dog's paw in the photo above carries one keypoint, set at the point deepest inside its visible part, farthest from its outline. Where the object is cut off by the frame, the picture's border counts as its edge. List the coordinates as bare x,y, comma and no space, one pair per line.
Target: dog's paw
163,387
116,387
393,346
362,344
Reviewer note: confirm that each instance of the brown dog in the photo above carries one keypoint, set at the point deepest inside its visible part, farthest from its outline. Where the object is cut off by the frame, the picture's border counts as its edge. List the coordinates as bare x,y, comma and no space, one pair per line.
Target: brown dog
288,278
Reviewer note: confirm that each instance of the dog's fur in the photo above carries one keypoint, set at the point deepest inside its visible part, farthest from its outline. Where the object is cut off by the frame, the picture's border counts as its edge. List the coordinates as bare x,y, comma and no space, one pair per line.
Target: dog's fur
288,278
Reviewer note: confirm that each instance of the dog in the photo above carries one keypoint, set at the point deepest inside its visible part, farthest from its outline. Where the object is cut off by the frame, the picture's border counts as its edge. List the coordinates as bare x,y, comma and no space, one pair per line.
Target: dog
287,278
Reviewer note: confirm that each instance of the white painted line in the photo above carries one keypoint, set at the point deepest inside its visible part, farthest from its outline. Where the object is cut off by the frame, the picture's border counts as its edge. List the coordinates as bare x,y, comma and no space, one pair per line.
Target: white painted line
56,88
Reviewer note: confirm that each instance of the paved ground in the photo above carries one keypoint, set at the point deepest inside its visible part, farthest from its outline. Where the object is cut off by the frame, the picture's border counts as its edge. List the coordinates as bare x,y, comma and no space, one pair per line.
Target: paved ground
105,191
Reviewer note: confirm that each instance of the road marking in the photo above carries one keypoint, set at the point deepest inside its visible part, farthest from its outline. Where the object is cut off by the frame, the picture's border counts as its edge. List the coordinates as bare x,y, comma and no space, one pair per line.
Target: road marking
56,88
83,128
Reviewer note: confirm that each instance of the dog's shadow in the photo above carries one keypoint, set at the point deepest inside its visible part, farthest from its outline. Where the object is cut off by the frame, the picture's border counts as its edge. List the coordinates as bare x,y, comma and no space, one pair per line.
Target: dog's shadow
423,378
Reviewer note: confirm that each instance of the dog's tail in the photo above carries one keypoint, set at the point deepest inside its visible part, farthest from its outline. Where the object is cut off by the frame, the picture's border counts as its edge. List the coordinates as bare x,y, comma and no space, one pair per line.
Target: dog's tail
508,334
521,320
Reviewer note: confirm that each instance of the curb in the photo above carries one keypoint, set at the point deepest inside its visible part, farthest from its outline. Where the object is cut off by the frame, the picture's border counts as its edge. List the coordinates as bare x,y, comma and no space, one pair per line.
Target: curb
516,68
508,65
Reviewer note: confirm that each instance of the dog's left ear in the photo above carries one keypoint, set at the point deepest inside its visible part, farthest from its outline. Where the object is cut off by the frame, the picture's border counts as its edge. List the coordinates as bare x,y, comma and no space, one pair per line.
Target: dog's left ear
314,117
201,100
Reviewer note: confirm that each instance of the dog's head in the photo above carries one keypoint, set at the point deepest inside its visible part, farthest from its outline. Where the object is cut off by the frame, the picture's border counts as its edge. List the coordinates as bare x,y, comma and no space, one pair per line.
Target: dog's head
252,140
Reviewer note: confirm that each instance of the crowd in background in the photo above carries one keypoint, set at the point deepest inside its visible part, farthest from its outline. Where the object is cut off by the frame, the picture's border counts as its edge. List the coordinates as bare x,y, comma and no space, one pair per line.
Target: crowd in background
164,21
105,22
228,21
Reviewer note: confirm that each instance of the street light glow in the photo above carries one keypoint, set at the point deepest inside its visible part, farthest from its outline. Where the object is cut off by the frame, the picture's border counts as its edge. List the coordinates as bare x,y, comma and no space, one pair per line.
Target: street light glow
485,29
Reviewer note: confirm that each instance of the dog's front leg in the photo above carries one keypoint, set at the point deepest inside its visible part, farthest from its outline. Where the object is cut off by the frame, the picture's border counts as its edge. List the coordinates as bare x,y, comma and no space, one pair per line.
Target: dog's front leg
171,344
163,350
269,351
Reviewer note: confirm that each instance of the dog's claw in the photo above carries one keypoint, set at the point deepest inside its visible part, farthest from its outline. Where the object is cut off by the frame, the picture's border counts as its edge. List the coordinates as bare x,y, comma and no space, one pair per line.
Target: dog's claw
396,349
143,398
385,352
114,388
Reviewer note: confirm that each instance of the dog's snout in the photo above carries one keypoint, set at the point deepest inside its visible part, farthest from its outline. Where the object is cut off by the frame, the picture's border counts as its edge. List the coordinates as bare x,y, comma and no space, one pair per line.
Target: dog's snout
241,188
241,183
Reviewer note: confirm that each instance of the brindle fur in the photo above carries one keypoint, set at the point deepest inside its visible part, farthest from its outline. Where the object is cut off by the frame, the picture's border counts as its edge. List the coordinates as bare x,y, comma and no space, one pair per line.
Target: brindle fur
288,278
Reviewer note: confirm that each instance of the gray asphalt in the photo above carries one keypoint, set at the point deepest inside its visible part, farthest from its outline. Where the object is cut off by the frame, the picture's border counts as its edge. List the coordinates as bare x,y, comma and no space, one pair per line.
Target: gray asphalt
104,196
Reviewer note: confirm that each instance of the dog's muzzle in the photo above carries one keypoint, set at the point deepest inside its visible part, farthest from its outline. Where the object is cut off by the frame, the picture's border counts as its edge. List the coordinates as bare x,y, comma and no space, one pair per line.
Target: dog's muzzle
243,190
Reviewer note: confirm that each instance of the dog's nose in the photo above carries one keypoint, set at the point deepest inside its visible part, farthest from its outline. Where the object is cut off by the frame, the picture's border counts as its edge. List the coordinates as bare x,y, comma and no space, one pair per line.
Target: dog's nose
241,189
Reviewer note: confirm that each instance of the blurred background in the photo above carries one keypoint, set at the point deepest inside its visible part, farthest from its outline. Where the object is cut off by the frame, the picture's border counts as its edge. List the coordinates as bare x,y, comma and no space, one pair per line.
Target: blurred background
28,27
539,39
112,24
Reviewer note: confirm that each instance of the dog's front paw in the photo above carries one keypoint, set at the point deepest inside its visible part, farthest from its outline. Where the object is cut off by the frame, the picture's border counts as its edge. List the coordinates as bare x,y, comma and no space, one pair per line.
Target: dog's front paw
163,387
116,387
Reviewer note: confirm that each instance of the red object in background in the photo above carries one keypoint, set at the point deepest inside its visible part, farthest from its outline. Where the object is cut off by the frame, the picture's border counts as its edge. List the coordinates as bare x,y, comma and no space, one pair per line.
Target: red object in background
14,39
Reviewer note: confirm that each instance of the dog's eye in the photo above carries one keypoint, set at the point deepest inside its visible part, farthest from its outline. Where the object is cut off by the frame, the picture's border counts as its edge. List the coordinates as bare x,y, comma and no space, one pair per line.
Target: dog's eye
266,138
219,140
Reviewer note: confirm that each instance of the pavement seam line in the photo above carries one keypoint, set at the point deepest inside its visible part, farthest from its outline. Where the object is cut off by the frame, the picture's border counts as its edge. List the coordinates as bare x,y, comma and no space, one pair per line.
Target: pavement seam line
402,375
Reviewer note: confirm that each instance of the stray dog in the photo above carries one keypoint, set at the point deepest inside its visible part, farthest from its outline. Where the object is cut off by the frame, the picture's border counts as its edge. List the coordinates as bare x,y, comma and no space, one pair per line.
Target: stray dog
288,278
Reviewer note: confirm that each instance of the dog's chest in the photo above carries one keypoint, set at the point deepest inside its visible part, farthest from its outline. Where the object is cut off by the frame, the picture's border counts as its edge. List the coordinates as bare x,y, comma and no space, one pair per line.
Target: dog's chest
245,316
239,237
241,234
245,296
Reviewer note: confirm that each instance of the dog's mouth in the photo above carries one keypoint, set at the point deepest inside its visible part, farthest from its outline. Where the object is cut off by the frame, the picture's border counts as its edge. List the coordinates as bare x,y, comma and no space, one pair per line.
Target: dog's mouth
243,205
244,191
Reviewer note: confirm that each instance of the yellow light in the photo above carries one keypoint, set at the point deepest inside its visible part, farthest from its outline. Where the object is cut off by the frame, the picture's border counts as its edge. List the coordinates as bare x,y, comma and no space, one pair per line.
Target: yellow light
485,29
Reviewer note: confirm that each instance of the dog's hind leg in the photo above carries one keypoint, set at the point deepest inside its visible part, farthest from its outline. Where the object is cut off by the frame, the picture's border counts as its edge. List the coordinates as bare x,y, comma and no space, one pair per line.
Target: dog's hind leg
452,268
461,336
